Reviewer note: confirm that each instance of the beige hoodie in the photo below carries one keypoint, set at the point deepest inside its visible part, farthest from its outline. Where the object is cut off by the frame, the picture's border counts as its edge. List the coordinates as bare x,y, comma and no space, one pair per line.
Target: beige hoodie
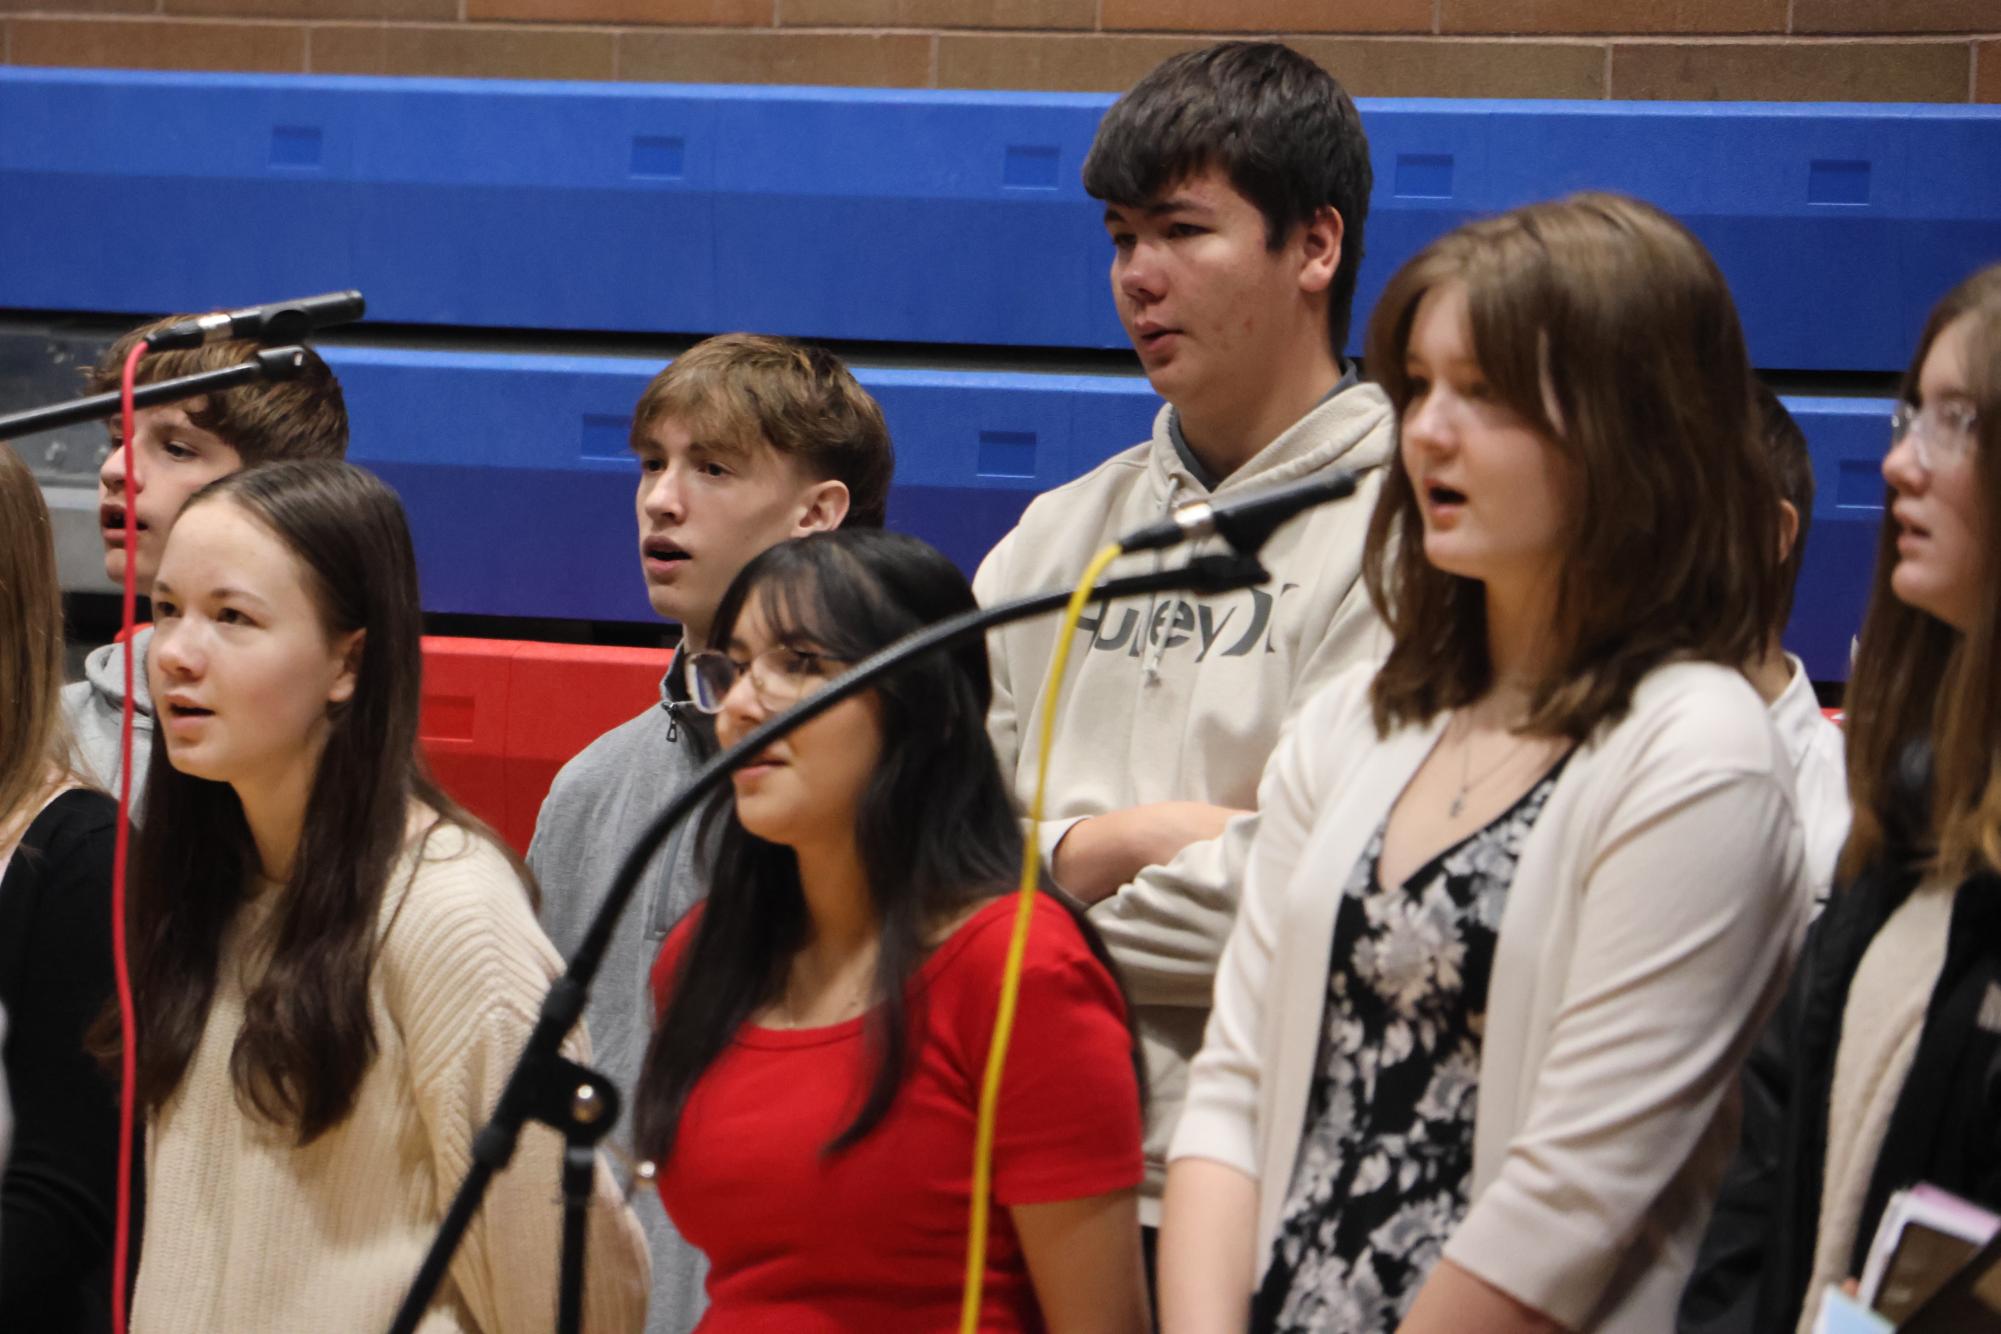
1183,699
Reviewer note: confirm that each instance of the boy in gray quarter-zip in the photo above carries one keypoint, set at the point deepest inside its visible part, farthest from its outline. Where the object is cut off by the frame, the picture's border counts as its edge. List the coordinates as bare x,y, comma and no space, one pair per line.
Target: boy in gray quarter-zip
743,442
1236,186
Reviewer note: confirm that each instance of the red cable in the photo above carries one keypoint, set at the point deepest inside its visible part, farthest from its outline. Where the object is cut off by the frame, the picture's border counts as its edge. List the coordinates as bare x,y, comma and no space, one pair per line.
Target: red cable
121,968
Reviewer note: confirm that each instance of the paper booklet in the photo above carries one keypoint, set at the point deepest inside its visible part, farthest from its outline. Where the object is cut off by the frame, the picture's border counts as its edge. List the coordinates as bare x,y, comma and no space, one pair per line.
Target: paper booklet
1927,1235
1933,1268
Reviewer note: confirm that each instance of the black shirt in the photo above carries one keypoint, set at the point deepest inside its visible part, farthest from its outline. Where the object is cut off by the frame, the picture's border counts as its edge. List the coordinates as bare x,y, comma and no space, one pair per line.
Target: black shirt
57,1198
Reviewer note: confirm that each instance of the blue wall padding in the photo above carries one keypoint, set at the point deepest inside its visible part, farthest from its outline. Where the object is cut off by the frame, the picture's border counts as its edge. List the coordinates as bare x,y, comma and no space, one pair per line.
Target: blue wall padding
520,485
927,217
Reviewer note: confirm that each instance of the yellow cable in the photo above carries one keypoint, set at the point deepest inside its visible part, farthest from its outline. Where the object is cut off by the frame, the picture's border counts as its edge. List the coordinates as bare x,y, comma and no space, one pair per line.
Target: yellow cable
1031,869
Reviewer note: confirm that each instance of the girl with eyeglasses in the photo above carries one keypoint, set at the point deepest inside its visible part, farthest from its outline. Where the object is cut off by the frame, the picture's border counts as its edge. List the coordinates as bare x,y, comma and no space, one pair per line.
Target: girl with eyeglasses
1883,1066
810,1092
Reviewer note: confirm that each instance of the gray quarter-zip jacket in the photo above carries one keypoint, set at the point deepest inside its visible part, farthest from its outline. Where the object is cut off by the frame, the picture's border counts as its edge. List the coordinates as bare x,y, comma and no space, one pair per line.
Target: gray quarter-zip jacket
94,708
596,809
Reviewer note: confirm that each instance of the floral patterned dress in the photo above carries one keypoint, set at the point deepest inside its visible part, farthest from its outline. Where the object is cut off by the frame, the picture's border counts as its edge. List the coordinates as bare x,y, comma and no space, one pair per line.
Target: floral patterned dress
1381,1179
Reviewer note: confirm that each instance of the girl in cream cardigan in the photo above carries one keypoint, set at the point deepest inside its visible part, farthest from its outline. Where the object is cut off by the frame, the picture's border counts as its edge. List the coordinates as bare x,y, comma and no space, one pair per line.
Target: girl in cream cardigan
334,967
1520,899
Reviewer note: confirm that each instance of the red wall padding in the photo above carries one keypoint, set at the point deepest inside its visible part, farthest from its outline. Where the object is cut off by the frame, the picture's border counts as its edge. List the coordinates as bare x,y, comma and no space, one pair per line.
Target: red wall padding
501,716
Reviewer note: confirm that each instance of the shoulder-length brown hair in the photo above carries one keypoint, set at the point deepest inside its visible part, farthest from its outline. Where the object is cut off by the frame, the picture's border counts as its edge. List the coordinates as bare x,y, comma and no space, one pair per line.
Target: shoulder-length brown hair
306,1040
1607,328
1917,679
32,735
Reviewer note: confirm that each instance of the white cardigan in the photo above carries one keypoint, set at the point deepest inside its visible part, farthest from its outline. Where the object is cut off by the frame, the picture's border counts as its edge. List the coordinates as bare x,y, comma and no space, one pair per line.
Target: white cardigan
1652,920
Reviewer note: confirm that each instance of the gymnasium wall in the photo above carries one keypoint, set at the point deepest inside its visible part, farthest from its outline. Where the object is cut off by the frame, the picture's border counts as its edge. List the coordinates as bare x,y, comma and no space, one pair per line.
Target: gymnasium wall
1702,50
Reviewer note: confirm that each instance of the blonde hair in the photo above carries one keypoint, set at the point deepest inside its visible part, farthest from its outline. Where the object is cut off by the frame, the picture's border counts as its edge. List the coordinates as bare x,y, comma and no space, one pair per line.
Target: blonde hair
33,737
740,390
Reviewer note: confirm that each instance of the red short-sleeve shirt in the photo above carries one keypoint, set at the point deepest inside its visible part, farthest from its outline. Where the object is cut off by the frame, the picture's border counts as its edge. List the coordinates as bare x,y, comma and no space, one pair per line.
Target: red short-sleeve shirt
874,1238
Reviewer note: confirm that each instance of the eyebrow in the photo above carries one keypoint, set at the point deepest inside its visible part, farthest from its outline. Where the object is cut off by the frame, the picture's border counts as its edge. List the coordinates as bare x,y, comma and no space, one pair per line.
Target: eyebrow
1412,356
701,448
727,451
1159,208
220,594
171,418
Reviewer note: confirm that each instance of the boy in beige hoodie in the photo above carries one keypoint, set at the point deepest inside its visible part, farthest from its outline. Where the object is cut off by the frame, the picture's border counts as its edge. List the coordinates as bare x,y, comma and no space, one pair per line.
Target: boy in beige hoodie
1236,185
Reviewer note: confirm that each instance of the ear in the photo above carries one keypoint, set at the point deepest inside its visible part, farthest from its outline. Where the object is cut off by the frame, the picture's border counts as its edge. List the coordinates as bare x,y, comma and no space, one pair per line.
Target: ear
1789,529
1320,241
349,648
822,508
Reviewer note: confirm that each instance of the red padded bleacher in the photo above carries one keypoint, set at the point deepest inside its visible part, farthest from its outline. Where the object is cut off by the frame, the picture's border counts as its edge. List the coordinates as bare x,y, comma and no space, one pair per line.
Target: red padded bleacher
501,716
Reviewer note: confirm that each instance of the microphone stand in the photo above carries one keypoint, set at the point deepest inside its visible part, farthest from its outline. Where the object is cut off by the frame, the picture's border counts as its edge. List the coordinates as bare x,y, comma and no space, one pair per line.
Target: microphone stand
581,1103
271,363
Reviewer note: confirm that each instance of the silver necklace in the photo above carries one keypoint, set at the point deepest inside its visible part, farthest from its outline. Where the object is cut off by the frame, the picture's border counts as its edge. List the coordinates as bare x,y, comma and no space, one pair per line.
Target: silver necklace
1466,780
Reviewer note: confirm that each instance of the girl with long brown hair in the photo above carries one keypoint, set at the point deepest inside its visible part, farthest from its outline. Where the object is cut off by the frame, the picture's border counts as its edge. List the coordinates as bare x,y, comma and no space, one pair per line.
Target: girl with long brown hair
1519,899
334,966
56,837
1883,1067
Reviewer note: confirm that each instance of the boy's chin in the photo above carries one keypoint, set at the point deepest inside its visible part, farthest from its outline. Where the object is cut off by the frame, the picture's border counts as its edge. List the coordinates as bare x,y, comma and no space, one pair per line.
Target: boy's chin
114,569
667,606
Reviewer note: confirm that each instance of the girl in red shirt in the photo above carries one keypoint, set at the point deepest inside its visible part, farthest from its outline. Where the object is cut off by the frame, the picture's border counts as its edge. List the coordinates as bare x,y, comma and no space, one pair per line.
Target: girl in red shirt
811,1089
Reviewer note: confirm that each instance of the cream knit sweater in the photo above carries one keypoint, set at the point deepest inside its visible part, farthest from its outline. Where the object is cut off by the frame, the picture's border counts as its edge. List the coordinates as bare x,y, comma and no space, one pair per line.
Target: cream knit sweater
246,1233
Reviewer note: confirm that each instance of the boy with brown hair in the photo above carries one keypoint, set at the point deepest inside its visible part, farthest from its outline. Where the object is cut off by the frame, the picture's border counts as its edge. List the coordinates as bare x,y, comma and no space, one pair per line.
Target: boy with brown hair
182,447
744,441
1235,183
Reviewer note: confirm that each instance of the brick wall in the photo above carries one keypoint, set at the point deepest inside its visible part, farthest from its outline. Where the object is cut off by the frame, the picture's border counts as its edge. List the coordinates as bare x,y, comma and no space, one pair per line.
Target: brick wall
1837,50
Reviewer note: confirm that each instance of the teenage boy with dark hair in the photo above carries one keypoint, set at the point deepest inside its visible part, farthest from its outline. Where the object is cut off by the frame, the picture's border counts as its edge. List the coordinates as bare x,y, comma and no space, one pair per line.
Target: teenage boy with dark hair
1236,187
1820,770
743,442
182,447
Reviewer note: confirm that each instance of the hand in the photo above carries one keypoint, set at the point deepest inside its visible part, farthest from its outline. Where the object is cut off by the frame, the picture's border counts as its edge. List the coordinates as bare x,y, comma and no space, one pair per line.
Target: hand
1107,851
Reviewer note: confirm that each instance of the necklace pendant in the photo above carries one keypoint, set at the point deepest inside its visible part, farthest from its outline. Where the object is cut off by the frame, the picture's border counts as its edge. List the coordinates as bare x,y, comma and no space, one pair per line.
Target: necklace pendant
1458,805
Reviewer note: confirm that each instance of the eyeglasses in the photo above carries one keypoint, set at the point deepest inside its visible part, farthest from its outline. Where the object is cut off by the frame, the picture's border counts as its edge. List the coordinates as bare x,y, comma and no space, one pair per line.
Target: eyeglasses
1942,433
780,676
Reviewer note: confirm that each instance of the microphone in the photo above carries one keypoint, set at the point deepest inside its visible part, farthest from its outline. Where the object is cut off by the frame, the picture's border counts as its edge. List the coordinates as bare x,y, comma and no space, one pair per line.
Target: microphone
1244,523
288,321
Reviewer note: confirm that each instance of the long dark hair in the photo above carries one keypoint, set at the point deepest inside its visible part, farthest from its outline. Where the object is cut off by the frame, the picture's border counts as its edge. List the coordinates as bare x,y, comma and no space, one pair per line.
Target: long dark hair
936,829
306,1040
1918,682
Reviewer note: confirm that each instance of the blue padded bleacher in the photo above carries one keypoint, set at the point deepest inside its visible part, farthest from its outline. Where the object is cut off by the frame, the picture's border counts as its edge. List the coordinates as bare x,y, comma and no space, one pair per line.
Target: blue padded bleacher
926,217
521,471
913,218
972,448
